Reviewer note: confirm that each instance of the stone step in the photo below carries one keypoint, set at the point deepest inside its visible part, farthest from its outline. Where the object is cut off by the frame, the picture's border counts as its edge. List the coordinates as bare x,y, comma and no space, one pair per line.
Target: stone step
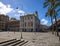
23,43
9,43
15,44
27,44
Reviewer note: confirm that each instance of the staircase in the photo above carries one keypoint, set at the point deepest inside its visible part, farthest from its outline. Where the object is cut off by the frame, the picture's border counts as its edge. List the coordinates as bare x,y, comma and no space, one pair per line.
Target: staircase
13,42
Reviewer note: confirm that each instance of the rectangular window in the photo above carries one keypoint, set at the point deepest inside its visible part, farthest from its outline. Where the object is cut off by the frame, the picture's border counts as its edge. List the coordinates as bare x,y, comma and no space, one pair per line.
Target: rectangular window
28,17
31,17
31,24
25,24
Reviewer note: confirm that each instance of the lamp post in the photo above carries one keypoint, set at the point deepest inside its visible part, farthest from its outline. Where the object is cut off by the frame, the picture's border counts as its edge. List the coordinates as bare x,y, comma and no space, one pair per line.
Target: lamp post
19,27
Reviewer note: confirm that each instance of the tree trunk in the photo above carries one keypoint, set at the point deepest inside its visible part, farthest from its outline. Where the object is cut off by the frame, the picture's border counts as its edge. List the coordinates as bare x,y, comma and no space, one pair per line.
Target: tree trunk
52,25
56,25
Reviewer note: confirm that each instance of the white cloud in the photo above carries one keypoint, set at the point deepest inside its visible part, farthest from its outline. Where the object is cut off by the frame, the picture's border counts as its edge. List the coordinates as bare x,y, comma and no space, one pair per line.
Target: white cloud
53,20
4,9
44,21
8,6
18,12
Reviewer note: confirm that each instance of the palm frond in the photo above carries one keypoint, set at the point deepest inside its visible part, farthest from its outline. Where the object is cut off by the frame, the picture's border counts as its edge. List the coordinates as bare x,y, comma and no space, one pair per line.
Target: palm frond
56,13
49,13
51,8
56,5
45,4
46,14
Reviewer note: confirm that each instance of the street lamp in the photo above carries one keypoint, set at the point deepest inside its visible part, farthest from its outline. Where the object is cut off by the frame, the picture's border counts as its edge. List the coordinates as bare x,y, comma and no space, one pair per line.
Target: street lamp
19,29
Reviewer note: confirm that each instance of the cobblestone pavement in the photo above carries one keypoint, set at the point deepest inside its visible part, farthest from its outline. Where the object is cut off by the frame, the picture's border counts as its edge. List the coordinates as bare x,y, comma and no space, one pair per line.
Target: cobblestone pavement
35,39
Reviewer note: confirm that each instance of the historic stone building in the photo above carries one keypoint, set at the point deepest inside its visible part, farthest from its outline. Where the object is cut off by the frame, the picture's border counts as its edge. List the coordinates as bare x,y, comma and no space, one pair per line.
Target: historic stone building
44,28
13,25
29,22
3,20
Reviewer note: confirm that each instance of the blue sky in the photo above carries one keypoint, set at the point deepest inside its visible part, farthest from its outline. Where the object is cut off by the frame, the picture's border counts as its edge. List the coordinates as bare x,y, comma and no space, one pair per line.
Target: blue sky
25,7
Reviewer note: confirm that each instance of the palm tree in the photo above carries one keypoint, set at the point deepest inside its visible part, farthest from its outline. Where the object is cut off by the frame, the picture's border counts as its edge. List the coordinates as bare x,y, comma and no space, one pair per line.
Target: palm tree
53,4
49,14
